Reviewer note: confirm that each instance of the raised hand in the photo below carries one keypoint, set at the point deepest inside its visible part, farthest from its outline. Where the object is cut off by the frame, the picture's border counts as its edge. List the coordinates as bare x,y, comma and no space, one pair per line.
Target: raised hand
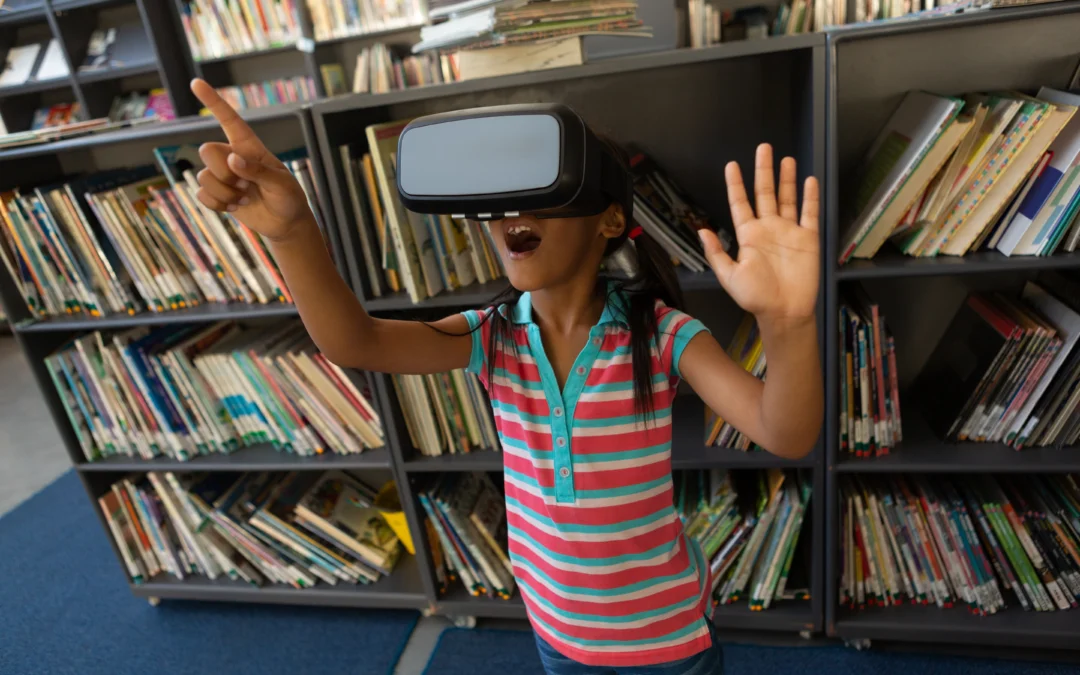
245,178
776,274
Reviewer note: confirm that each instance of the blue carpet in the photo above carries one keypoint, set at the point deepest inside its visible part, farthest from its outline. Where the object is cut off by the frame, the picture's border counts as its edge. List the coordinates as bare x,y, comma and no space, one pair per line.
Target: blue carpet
65,608
467,652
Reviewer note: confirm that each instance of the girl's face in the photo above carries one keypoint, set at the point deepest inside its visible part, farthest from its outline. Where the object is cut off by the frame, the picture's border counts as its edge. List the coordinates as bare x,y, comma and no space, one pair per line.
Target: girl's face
540,253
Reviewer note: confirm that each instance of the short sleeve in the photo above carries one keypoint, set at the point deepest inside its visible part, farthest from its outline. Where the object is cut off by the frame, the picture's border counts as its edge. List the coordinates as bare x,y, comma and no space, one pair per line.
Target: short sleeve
479,328
676,330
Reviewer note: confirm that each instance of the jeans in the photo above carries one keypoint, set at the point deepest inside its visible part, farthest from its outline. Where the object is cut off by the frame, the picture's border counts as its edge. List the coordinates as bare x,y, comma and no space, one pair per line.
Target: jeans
708,662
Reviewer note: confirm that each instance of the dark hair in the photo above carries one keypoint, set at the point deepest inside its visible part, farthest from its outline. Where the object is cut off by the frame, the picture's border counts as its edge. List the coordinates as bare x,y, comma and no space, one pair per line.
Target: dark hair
654,279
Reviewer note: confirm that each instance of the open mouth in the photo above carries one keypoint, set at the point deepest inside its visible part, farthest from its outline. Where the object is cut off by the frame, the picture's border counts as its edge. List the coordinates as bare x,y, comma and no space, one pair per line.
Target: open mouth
521,239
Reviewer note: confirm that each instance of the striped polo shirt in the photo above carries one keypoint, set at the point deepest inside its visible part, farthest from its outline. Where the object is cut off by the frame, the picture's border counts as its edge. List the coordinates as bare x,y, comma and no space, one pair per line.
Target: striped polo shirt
606,572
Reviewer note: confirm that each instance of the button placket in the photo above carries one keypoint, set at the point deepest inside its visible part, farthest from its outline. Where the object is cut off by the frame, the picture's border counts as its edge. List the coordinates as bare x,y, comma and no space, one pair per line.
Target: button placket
560,450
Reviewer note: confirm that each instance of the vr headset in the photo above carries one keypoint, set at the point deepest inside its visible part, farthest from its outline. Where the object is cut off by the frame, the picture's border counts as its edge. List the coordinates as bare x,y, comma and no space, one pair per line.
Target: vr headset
503,161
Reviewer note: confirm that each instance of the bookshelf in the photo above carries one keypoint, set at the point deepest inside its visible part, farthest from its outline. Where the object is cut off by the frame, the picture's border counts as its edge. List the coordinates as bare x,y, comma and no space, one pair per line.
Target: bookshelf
870,69
819,97
148,63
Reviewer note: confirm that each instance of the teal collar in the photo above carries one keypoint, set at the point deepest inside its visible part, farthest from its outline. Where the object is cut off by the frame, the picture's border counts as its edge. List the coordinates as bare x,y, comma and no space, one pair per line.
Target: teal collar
615,309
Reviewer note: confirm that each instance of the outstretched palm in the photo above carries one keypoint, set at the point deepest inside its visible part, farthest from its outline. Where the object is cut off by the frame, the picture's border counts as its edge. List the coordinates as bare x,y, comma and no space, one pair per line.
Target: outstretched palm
776,274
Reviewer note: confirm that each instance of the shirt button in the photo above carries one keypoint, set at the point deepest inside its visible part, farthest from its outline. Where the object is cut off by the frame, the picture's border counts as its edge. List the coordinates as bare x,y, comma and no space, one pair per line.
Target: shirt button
564,472
581,370
561,442
597,341
558,412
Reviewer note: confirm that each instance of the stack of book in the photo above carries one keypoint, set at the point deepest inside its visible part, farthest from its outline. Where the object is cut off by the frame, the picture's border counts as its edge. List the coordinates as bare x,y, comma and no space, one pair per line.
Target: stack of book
134,240
466,522
993,172
499,37
294,529
345,18
379,70
1007,369
870,421
668,216
217,28
976,542
423,255
751,545
746,350
188,391
267,93
446,413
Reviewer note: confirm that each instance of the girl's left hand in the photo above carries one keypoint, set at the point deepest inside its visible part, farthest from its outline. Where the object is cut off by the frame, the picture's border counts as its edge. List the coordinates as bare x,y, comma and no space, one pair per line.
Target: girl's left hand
776,274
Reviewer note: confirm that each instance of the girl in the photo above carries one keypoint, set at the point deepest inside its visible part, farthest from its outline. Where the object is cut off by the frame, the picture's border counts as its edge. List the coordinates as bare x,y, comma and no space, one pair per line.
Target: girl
582,374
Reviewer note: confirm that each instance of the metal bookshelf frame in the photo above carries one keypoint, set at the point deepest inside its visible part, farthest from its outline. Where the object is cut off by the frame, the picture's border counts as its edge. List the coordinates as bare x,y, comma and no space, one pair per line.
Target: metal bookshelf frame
811,96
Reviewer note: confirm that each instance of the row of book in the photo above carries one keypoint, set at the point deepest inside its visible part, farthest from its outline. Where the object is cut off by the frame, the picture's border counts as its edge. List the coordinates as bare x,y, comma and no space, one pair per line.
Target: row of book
995,172
64,120
130,240
870,421
295,529
267,93
380,70
343,18
977,542
217,28
35,62
420,254
466,528
190,391
483,25
749,528
745,349
1007,369
446,413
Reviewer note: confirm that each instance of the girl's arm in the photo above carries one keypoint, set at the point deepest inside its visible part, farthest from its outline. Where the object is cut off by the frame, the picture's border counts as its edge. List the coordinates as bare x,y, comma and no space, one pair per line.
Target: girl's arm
776,279
247,180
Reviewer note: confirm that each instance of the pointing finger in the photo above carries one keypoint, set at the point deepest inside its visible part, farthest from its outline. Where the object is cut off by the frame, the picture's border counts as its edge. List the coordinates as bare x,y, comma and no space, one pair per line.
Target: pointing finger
240,135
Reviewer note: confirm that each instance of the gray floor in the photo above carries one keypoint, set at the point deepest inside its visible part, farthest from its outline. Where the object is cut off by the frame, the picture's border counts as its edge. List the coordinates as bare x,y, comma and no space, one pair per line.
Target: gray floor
32,456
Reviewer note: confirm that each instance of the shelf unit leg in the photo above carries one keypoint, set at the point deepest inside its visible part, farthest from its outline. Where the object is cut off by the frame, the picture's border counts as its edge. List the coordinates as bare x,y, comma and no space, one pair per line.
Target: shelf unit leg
463,621
859,645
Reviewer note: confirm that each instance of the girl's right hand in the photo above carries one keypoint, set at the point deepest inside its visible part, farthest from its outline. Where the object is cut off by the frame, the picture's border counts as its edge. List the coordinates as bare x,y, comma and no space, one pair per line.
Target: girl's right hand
244,178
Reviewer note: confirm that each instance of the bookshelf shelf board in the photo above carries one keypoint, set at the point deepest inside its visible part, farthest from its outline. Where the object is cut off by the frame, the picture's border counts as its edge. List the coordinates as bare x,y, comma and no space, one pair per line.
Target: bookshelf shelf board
108,74
688,449
401,590
621,64
248,55
458,602
911,24
65,5
369,35
920,623
204,313
922,451
786,616
182,125
891,264
262,457
35,86
13,17
479,460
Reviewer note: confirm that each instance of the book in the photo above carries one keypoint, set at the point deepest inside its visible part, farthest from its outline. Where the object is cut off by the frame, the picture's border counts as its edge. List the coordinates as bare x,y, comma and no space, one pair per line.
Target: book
520,58
980,542
188,391
52,65
267,93
749,529
333,77
350,18
380,69
217,28
19,64
899,148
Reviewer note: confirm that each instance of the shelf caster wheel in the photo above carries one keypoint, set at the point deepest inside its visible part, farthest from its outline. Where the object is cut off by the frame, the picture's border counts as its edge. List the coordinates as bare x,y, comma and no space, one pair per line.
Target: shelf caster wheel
858,645
427,612
805,634
464,621
154,600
